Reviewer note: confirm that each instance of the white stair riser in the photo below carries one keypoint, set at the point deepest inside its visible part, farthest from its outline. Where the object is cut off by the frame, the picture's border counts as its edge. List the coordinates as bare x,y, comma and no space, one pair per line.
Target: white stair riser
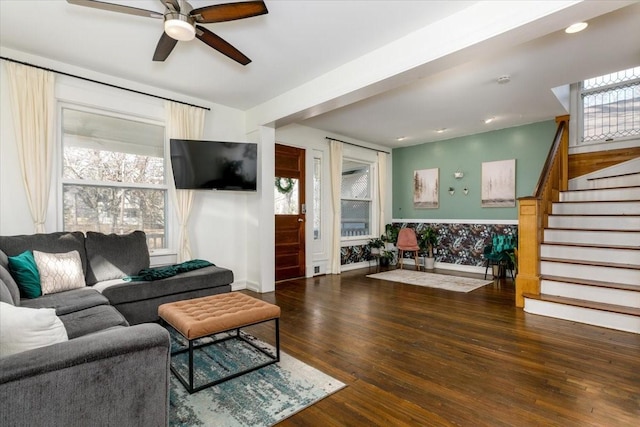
591,293
591,272
601,195
597,208
620,238
595,222
618,181
605,319
594,254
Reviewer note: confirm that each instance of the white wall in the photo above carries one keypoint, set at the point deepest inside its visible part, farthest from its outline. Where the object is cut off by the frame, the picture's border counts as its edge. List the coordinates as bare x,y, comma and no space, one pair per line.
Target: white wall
218,225
314,140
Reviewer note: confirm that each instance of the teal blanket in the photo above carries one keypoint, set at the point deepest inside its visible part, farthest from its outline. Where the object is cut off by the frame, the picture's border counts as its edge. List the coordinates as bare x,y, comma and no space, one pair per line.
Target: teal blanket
157,273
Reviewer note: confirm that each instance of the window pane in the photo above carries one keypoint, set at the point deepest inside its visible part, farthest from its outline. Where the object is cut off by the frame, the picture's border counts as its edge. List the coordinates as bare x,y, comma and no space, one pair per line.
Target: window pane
613,78
614,113
117,210
102,148
355,181
317,197
356,216
285,191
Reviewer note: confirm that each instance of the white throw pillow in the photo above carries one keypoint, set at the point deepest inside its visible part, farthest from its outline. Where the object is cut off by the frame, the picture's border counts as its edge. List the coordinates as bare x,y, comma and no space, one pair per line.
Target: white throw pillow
59,272
23,328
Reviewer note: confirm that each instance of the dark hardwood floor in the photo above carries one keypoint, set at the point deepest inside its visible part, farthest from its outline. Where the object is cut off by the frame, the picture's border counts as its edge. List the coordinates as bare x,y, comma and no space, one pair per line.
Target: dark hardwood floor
418,356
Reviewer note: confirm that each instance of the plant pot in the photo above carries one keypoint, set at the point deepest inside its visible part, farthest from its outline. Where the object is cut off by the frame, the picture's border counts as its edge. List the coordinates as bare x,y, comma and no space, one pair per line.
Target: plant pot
384,262
375,251
429,263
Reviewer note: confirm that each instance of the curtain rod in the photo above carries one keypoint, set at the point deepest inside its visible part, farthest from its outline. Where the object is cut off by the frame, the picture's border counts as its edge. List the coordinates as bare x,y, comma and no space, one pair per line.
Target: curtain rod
102,83
357,145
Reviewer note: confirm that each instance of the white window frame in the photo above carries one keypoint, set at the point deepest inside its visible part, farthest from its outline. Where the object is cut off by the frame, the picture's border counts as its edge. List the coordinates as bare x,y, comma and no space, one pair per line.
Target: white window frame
373,199
60,181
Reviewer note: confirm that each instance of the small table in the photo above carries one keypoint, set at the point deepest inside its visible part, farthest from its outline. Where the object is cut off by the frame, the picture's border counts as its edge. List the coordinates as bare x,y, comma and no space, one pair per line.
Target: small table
203,317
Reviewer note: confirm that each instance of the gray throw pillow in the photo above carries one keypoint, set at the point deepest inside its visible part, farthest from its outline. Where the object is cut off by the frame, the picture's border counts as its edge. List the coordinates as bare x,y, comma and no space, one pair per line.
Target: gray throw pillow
112,256
10,285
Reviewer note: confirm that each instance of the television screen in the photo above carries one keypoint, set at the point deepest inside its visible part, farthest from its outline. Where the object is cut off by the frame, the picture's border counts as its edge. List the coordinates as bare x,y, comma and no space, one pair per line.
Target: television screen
214,165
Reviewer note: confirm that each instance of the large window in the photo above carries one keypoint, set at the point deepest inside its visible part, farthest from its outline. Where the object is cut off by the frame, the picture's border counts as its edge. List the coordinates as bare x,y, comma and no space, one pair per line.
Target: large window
113,175
356,199
611,106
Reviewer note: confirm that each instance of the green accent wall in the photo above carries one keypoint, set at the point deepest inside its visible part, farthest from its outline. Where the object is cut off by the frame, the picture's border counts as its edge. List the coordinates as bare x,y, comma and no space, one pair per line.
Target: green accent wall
528,144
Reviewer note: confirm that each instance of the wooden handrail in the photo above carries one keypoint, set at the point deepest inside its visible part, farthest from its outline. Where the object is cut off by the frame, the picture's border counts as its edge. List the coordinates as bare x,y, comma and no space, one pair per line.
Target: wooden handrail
548,164
534,210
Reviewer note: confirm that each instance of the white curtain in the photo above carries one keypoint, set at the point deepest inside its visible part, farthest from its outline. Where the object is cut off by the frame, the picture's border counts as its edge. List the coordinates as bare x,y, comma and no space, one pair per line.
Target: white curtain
32,105
183,122
382,190
336,190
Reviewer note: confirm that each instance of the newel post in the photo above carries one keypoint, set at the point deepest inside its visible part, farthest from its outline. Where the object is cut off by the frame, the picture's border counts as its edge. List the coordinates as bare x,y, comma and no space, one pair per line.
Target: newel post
530,228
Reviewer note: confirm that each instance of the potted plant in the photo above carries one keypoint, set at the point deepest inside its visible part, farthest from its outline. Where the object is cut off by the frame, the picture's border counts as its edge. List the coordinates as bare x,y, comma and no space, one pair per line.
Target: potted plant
386,257
428,240
375,245
390,235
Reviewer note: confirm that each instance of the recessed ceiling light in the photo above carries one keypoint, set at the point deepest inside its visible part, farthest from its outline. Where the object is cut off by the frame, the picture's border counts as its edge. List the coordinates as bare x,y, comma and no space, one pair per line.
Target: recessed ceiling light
504,79
576,28
441,130
401,138
489,120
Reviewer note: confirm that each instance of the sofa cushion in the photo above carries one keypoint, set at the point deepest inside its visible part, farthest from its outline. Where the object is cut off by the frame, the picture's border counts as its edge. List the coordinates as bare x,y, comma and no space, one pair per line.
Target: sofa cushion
4,260
57,242
68,301
90,320
59,272
11,285
5,295
203,278
112,256
23,329
25,272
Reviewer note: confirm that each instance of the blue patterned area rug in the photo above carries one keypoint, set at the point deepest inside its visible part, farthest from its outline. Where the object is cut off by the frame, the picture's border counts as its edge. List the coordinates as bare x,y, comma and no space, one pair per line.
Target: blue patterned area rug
260,398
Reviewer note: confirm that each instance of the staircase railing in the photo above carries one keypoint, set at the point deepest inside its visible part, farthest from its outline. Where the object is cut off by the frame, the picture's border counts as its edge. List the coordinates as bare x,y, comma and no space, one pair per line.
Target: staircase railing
533,212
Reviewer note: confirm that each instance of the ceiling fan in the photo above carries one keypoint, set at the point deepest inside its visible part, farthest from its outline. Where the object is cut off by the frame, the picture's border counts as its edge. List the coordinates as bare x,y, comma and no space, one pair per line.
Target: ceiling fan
181,19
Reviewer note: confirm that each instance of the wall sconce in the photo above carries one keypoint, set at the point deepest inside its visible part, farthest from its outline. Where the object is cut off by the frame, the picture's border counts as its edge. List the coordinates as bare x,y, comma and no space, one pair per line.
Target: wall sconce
466,191
458,174
452,190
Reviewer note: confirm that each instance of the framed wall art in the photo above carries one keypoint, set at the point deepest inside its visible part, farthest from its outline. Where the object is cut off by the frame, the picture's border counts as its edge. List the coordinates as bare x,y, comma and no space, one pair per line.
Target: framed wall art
425,188
499,184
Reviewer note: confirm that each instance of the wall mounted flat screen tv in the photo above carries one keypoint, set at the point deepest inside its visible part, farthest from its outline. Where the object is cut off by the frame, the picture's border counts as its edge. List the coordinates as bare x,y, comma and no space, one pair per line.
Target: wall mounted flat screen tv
214,165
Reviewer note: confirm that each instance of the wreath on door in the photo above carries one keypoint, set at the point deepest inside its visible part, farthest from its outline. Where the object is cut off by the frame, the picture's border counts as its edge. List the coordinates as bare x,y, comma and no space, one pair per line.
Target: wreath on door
284,185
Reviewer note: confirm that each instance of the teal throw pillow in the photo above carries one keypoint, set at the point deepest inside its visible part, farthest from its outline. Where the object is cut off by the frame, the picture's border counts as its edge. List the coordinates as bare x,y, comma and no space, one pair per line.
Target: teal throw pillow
25,272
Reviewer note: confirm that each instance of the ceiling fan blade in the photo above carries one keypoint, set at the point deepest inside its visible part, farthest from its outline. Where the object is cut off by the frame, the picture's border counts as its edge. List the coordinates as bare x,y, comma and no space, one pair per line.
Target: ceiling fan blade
164,47
228,11
222,46
116,8
173,5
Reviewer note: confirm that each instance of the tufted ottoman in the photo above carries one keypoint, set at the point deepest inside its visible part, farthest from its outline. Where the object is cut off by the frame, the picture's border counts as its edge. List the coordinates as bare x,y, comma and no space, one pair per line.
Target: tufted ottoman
198,318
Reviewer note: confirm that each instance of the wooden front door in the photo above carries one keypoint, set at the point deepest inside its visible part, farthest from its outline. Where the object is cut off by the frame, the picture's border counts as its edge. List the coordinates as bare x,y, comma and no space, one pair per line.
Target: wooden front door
290,212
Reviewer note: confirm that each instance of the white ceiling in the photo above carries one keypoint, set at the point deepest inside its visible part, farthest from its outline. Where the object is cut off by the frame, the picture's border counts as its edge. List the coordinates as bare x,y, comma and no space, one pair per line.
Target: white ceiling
303,39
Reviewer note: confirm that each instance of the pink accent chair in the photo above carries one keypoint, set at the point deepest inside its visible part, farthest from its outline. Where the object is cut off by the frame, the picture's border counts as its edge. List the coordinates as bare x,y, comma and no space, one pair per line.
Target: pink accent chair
407,241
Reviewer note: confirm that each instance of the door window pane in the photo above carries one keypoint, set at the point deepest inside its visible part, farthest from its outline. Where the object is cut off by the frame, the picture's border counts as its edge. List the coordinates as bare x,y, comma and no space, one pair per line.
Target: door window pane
317,197
285,192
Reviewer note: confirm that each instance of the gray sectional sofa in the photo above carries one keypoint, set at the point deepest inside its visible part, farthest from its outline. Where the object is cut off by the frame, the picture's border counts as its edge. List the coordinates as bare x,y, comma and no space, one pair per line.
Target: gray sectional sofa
107,372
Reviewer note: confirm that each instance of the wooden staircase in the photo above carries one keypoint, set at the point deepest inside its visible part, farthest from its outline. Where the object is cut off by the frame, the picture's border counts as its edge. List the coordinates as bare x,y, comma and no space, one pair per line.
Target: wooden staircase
590,252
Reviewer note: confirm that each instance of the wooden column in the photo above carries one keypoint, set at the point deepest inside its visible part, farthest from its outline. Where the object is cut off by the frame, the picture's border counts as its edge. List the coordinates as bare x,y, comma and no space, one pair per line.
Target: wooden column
530,217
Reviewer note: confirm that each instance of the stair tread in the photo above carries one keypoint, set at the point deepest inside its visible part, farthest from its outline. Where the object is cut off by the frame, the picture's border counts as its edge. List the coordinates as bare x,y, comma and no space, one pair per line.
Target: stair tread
632,311
596,214
587,245
623,187
598,201
594,283
597,230
597,264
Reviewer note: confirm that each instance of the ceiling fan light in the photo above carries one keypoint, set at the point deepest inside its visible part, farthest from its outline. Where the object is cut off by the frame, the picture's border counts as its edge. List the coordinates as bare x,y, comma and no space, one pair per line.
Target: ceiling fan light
179,29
